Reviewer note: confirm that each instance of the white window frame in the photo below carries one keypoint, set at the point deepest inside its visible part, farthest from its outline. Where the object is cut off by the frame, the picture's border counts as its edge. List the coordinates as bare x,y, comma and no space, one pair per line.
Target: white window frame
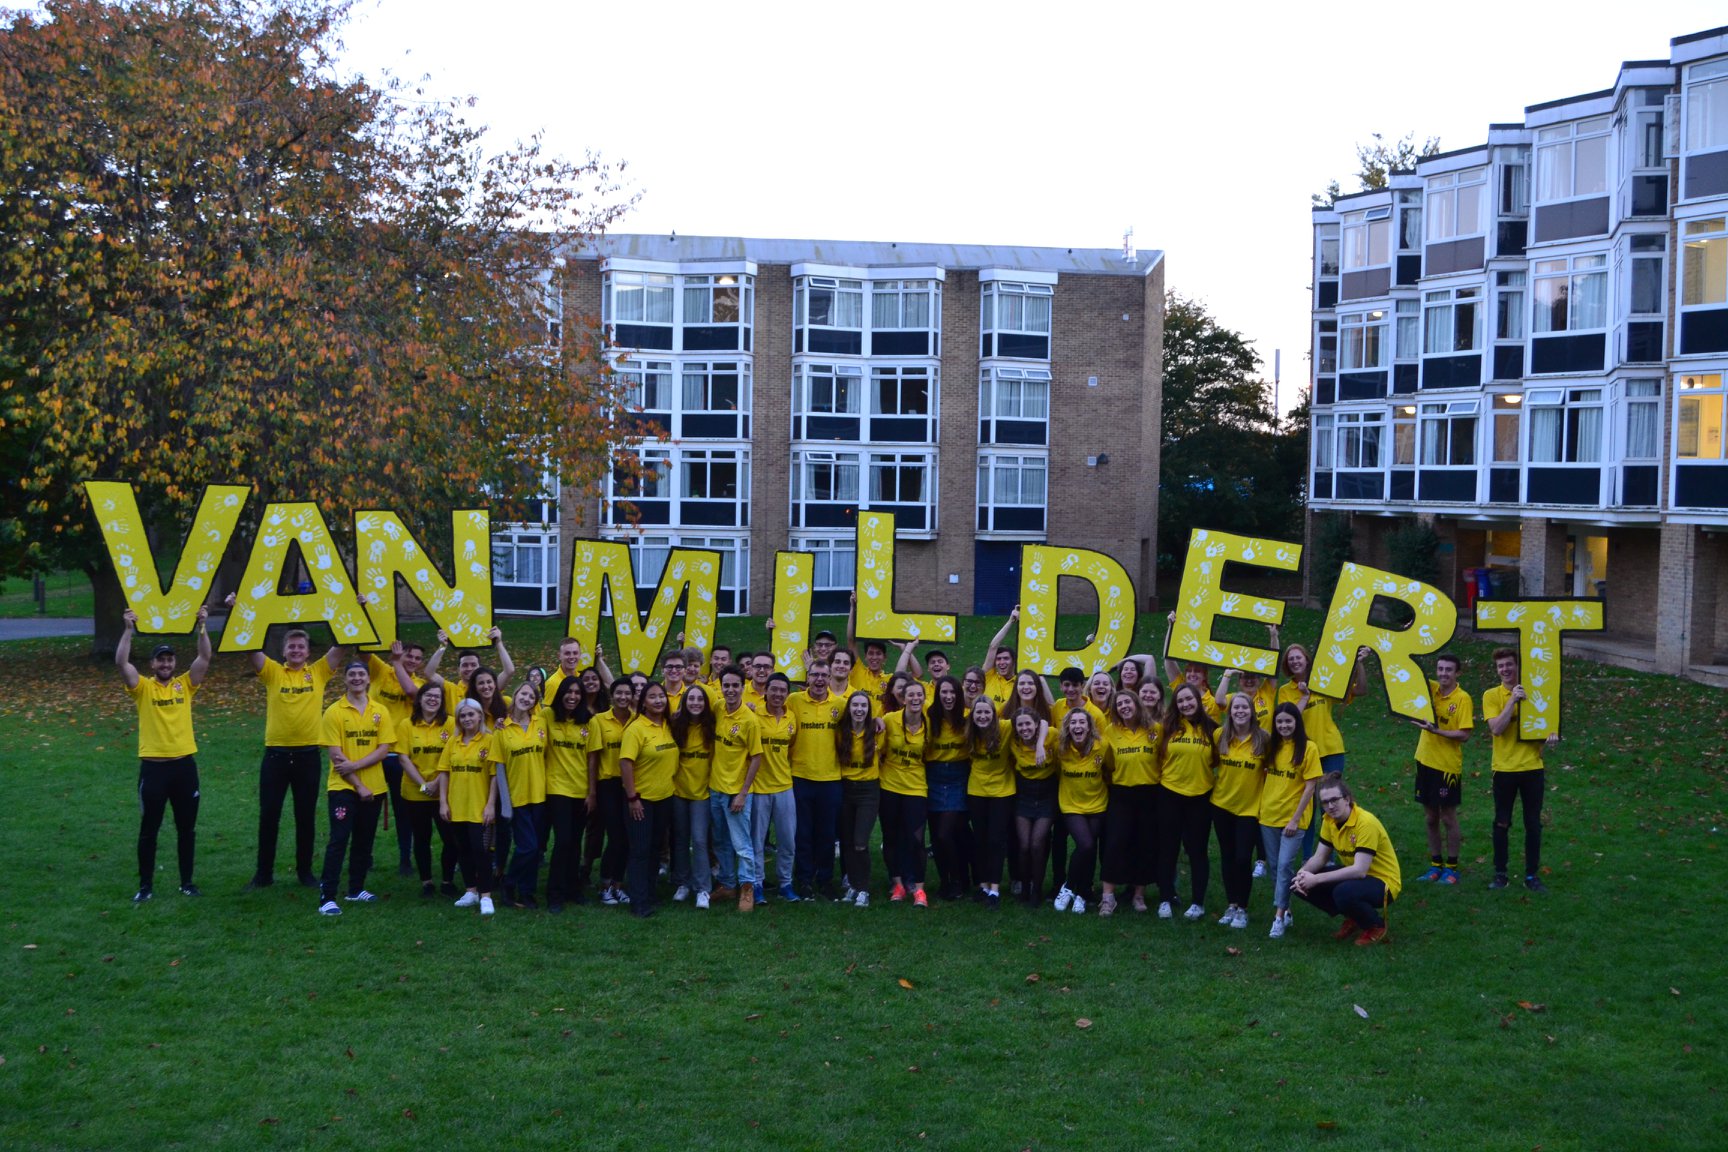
836,560
1702,393
1579,415
707,370
1354,440
1511,290
694,462
1642,416
1407,329
1703,280
1570,272
1035,304
1325,451
843,473
649,298
1028,474
844,383
1441,313
1557,154
1706,104
844,295
1637,258
899,375
1367,234
883,465
1360,333
649,380
1006,393
1457,205
892,308
1443,426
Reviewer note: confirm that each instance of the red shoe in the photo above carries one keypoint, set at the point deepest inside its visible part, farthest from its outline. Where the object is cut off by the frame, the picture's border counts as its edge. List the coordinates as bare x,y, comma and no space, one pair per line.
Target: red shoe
919,900
1346,930
1371,937
898,892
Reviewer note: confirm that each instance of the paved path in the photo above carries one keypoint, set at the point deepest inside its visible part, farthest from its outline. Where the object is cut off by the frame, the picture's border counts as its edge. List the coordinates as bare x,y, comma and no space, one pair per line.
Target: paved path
36,627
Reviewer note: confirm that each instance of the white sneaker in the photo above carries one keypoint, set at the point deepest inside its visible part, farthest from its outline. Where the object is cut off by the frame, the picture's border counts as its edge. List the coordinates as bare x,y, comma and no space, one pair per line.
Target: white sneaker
609,896
847,895
701,899
1278,927
1259,869
682,894
1063,898
1079,906
1229,915
1107,904
1194,912
1240,920
862,900
486,908
468,900
362,897
329,908
1165,912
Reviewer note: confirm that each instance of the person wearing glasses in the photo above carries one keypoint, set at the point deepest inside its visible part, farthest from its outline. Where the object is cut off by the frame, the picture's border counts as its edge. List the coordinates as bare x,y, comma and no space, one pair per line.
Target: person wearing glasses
1365,878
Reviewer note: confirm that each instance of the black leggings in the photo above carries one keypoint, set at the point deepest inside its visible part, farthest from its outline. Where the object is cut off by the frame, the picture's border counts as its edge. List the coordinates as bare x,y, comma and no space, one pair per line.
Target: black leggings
163,784
860,802
1032,838
615,859
948,830
1237,836
991,818
1182,825
422,817
476,861
565,817
1527,788
1083,861
903,835
1131,835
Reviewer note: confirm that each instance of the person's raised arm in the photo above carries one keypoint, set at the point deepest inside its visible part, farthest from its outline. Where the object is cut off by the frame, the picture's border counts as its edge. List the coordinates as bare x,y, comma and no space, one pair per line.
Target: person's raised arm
430,668
506,666
851,620
602,667
908,660
201,662
123,650
997,640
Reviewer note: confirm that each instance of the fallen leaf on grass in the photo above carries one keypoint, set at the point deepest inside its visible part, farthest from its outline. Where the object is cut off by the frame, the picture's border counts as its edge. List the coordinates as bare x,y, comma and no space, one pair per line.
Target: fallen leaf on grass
1328,1124
270,1120
1232,951
1676,991
29,947
1033,978
1361,1011
350,1053
753,1016
408,1114
1082,1023
1529,1007
904,983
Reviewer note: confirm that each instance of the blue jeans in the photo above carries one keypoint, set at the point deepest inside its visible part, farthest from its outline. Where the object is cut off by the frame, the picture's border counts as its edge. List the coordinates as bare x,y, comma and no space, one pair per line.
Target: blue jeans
781,810
690,845
525,863
1283,854
734,840
818,803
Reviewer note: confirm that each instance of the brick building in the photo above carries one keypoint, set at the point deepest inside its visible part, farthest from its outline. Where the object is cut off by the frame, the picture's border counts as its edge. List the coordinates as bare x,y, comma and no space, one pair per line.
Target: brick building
988,396
1525,343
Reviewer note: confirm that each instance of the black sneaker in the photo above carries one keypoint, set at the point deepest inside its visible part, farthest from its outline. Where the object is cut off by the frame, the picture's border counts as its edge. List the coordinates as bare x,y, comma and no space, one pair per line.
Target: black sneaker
1498,882
448,888
258,882
427,888
1534,884
307,880
143,895
554,906
405,868
190,890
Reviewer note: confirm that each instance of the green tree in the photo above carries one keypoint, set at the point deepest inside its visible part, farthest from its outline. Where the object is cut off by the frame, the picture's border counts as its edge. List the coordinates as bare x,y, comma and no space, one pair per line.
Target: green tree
1228,461
1376,161
222,258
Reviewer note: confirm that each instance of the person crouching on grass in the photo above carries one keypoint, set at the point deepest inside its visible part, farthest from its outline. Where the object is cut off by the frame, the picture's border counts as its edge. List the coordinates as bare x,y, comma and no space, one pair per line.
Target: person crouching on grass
1365,879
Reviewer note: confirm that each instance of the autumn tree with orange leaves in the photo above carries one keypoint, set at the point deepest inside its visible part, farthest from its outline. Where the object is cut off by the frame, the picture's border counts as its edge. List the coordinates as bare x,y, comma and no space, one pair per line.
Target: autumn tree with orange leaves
222,259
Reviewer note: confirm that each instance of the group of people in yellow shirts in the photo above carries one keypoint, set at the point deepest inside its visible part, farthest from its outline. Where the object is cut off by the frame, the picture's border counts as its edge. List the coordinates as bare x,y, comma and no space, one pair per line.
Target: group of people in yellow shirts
1117,778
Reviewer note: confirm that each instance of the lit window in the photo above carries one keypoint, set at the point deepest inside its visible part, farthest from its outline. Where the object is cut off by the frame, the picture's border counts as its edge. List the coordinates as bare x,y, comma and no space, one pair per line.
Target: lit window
1705,272
1362,336
1698,435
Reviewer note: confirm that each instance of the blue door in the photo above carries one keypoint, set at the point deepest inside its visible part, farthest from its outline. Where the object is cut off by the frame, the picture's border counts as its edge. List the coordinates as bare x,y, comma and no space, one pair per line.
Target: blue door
995,578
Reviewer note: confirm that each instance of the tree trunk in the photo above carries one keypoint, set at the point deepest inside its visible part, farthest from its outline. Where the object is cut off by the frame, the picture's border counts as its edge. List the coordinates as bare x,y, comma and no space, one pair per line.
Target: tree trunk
110,602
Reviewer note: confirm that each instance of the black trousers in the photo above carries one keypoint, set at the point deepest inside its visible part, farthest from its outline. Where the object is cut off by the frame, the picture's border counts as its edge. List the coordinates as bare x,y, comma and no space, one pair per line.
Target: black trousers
903,820
393,776
643,860
350,818
1131,835
164,784
566,816
422,819
1237,836
1358,900
299,769
476,862
992,820
614,859
1182,825
1527,788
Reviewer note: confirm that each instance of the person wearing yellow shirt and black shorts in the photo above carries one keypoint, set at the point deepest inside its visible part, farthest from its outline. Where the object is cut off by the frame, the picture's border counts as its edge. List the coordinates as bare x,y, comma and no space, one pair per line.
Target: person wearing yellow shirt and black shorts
167,770
468,800
1188,765
1440,767
904,801
860,793
989,796
1242,748
1131,820
357,735
1366,878
1519,775
648,766
816,786
1032,749
1084,762
293,758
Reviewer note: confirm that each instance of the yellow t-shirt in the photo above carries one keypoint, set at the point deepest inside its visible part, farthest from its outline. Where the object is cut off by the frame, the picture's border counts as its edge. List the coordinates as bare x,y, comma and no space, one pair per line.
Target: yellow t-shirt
868,681
1136,751
654,757
357,731
1284,783
522,751
1240,777
992,772
695,761
859,768
813,748
1265,703
425,746
775,774
165,717
1317,719
605,734
1511,754
1083,788
737,737
552,683
387,690
903,756
1187,767
1025,756
1363,832
753,699
293,703
945,745
566,757
469,767
999,688
1452,712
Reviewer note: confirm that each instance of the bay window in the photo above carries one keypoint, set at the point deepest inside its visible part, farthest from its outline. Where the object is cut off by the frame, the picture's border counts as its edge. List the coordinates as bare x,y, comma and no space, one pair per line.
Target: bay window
1571,294
1565,425
1572,160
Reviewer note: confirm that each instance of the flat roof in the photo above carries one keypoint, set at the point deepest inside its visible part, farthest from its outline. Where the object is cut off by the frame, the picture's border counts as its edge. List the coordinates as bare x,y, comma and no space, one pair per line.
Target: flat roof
870,253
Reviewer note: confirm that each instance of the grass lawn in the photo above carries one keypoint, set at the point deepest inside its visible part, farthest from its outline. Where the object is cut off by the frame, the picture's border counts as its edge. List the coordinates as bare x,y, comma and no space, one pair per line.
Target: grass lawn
67,594
1590,1018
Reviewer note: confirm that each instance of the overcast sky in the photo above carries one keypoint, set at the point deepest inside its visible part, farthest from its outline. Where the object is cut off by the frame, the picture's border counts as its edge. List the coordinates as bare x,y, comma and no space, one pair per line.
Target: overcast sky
1203,127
